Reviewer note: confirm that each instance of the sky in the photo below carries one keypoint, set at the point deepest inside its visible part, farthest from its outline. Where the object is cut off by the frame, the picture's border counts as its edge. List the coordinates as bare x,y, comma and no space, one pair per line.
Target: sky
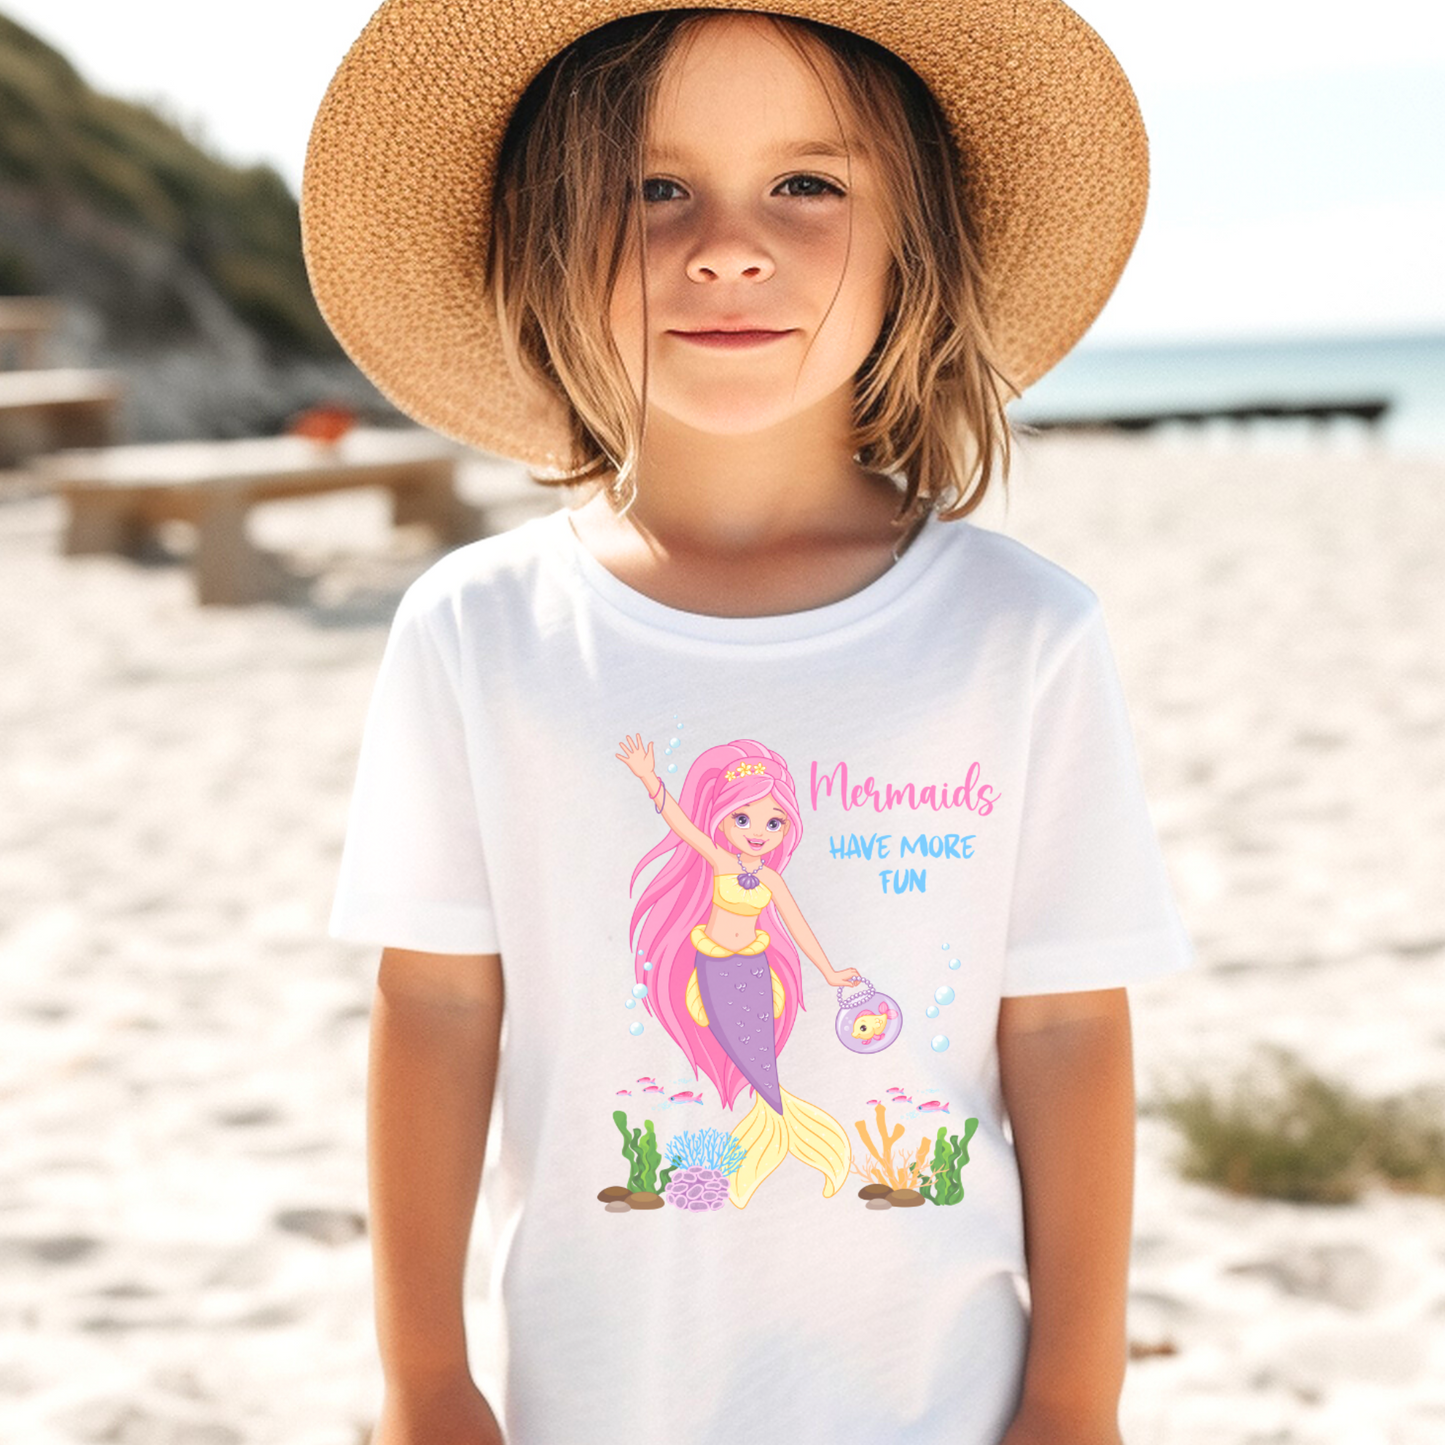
1298,168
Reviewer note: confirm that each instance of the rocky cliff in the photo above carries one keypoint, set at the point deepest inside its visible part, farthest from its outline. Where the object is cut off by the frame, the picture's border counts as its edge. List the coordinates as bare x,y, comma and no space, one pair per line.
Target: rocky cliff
179,270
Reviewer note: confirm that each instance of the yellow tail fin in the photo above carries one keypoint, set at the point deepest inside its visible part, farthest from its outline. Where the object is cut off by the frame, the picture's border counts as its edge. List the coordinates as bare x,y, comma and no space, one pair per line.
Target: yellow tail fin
803,1130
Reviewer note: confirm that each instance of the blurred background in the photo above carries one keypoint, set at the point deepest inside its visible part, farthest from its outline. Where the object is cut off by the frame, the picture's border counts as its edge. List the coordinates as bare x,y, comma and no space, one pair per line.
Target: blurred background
207,517
1292,246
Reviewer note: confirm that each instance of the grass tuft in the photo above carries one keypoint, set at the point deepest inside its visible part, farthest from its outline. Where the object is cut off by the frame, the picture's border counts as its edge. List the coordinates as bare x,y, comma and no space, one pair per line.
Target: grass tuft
1281,1131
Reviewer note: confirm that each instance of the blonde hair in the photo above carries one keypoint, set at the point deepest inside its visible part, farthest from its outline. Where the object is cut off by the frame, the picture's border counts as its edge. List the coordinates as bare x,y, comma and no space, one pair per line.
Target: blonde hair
928,401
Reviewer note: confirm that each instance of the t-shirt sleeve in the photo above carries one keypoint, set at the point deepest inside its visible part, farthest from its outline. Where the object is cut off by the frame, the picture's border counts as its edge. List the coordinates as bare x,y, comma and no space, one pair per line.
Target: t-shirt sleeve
1092,905
413,870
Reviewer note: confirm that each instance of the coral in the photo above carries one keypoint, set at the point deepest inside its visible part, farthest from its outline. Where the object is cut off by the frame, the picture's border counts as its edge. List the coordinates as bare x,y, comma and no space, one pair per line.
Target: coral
896,1174
704,1159
943,1185
640,1150
698,1190
707,1149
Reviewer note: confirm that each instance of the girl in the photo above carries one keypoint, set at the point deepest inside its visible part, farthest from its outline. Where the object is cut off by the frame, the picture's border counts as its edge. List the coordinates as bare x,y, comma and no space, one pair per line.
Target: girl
756,287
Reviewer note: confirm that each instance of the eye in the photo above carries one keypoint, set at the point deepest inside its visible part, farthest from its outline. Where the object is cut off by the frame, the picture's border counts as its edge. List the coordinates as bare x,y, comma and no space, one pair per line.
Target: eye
776,825
656,188
806,187
741,819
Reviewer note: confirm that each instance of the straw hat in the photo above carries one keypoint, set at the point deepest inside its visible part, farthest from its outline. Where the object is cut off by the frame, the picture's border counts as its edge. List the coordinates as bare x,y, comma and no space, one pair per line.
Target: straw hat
396,196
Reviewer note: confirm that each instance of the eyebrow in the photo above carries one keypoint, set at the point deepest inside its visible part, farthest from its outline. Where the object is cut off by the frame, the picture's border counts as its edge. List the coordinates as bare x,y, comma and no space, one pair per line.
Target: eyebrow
831,149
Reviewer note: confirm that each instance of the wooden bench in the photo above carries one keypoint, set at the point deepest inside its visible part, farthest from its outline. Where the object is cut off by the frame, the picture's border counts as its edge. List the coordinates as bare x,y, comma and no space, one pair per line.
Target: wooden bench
25,323
116,496
41,411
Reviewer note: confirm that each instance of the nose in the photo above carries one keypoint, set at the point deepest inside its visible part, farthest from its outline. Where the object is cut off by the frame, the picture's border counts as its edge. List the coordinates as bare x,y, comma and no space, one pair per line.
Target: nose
727,250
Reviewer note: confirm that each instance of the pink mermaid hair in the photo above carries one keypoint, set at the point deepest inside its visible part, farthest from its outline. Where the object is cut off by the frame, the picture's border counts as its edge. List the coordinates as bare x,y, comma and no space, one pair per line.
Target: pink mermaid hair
679,897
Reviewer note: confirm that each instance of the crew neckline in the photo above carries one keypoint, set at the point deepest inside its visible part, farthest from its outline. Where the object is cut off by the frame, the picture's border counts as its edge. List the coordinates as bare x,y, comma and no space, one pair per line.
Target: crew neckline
867,602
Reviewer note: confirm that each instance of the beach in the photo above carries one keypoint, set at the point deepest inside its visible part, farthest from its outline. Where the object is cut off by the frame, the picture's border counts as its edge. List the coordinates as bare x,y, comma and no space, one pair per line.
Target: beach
182,1050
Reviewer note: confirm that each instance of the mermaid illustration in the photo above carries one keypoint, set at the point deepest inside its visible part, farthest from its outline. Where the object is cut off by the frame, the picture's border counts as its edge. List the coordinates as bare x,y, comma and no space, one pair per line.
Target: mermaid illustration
719,927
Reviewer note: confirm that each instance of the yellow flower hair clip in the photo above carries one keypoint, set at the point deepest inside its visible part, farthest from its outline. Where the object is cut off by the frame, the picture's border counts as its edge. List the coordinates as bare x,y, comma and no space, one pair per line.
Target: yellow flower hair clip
742,770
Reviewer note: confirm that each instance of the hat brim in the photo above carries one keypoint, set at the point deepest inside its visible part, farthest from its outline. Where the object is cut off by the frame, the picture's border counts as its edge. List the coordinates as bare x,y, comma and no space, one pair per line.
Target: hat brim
397,188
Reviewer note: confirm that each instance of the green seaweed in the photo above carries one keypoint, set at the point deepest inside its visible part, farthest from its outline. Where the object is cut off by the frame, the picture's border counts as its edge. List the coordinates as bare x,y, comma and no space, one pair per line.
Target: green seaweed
641,1152
943,1185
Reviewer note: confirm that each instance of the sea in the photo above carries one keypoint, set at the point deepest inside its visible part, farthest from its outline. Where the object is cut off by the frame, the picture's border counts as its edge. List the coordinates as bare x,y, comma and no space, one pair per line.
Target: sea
1408,372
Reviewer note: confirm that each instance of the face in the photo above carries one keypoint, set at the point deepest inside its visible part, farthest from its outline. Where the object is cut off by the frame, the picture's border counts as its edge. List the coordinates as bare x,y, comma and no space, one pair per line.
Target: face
767,261
756,828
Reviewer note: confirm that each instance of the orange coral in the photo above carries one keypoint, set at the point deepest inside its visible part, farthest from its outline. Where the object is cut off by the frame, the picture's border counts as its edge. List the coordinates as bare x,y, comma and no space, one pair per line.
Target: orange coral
896,1174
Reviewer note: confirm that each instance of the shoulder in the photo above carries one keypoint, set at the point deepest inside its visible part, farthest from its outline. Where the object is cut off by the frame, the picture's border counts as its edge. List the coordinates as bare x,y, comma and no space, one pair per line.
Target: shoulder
1013,576
1009,598
489,586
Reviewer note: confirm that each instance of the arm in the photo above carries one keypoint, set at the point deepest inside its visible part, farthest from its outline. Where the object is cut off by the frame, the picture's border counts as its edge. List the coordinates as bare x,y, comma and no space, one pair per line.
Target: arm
802,935
435,1029
1066,1066
639,760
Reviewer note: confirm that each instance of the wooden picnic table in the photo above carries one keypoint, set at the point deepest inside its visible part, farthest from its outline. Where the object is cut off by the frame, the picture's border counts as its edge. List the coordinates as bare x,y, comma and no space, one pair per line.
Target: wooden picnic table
41,411
115,496
25,322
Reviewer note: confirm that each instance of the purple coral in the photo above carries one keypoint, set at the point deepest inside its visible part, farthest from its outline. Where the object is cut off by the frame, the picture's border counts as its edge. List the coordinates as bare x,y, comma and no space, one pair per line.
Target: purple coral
697,1190
704,1159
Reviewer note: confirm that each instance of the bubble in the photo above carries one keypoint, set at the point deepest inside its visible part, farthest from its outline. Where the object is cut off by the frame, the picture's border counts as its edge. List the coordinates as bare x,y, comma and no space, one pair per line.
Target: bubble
647,965
667,752
931,1010
944,994
635,1029
945,948
678,726
639,990
938,1043
675,743
672,767
632,1003
955,963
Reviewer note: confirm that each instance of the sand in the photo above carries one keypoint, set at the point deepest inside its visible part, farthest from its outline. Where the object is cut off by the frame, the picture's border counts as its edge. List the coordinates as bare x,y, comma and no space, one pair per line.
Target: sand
182,1051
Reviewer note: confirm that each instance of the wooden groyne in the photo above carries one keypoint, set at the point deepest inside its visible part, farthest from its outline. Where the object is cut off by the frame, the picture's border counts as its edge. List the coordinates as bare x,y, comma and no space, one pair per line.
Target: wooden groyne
1370,410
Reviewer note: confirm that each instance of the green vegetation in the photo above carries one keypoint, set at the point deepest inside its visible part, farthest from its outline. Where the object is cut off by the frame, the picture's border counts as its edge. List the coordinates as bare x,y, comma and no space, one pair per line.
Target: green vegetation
641,1153
70,147
950,1154
1283,1132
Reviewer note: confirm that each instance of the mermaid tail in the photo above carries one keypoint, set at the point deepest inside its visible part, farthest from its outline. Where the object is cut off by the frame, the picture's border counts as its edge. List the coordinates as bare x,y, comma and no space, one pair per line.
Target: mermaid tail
803,1130
737,996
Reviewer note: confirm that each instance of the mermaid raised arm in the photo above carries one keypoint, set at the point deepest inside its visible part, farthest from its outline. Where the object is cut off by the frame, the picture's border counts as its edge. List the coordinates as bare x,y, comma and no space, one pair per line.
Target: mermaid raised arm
640,761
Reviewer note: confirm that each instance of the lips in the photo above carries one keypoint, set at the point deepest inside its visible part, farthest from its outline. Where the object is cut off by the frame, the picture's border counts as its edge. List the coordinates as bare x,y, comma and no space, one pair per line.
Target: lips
731,336
732,327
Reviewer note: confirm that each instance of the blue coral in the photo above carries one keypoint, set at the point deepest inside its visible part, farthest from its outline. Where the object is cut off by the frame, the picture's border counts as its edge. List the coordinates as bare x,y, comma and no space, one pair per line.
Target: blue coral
707,1149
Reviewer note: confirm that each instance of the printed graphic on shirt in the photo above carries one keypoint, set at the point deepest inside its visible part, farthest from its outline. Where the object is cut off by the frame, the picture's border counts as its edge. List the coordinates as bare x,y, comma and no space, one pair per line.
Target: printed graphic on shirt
717,934
701,1163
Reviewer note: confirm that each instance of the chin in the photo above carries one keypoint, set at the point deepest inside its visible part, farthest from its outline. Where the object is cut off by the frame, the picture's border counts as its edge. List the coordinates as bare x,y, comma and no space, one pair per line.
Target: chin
734,416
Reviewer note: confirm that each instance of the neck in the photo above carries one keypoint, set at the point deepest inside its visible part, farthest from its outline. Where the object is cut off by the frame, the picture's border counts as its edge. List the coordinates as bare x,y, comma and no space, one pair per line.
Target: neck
761,490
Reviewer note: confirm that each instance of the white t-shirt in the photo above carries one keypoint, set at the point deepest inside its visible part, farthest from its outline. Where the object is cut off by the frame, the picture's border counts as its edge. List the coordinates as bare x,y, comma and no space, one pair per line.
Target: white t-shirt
966,821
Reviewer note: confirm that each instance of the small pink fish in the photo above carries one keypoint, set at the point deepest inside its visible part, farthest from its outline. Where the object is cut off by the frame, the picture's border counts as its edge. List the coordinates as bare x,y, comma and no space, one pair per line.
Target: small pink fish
871,1101
902,1099
645,1080
686,1097
654,1089
628,1092
933,1106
